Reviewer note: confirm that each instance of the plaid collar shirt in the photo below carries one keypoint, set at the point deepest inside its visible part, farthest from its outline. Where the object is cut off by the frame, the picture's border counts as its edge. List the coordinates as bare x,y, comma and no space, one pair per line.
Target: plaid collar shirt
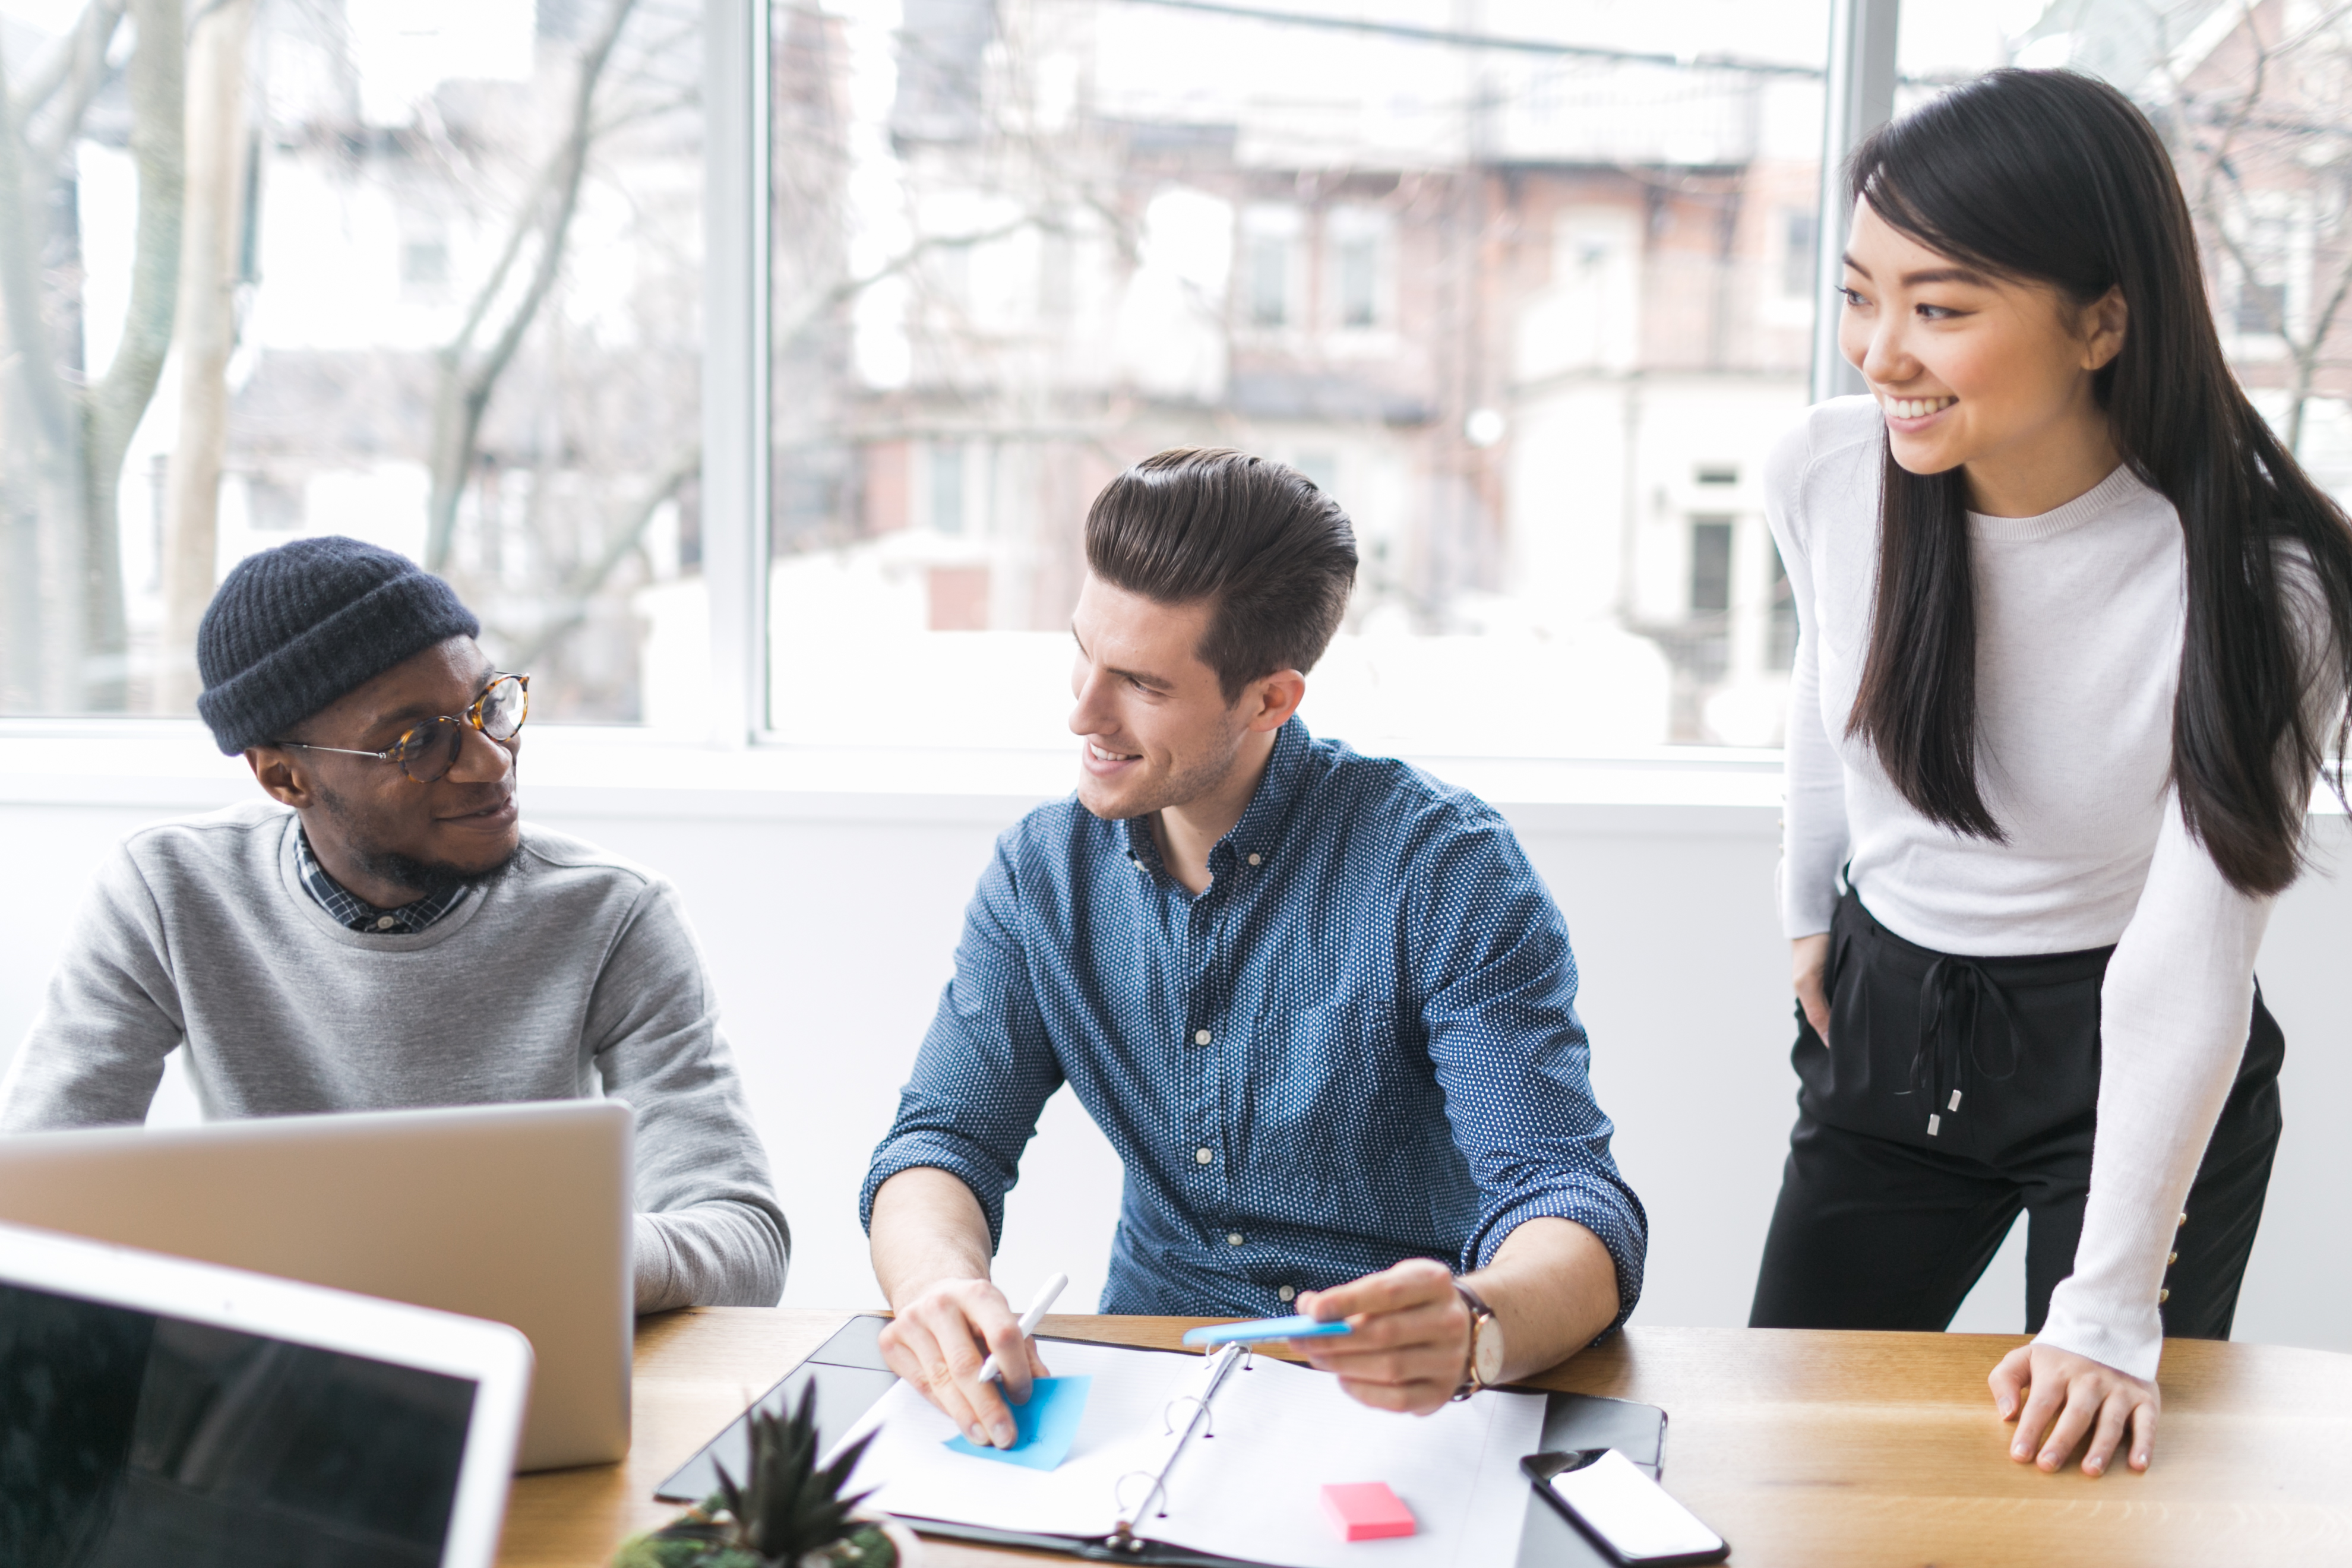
360,916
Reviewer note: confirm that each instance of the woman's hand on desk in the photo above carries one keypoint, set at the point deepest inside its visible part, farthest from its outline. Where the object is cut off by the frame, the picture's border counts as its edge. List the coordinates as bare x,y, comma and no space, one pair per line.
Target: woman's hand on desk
2055,1396
938,1340
1411,1338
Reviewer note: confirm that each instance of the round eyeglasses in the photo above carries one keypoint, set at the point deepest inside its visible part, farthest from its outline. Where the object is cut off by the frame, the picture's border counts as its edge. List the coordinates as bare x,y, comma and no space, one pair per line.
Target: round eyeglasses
427,750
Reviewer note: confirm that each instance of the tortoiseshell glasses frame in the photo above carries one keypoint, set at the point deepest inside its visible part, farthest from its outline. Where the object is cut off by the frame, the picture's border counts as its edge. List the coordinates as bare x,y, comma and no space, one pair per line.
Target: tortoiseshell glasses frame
426,752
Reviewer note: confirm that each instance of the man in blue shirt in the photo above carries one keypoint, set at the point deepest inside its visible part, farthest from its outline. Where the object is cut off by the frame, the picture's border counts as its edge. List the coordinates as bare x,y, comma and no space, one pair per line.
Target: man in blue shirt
1320,1003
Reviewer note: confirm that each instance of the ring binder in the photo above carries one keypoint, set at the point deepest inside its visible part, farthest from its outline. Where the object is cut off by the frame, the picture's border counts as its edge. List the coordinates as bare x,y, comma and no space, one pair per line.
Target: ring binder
1219,1369
1186,1503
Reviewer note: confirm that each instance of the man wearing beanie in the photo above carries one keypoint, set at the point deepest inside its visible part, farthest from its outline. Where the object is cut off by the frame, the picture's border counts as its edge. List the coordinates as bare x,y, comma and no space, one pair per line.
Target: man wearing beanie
384,931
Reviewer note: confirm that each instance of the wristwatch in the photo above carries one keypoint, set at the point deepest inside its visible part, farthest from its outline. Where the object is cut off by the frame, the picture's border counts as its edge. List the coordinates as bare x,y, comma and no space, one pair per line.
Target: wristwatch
1485,1368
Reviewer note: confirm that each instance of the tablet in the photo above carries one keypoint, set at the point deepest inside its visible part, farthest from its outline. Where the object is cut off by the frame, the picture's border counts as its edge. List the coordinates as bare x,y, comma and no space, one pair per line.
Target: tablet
154,1409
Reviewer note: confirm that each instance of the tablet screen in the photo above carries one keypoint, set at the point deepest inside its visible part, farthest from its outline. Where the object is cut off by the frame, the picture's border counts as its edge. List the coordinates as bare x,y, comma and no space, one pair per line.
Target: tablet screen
127,1437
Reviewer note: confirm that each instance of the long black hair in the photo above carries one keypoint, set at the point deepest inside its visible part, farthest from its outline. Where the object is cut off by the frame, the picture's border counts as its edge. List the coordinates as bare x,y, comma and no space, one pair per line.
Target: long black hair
2053,178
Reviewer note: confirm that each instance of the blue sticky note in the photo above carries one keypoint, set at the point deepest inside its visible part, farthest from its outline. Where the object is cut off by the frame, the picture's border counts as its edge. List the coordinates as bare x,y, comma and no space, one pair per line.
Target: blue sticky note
1043,1429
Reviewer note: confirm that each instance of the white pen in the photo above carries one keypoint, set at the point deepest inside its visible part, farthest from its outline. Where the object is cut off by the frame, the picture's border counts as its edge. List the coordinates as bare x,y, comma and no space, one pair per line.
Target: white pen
1029,1320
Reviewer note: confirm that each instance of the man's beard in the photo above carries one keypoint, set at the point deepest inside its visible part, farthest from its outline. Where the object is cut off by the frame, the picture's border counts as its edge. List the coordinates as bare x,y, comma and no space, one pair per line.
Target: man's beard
428,878
1190,782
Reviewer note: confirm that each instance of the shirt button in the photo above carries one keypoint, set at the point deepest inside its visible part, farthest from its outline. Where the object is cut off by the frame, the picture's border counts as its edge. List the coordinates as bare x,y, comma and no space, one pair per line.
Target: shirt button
1201,1037
2170,1259
2181,1221
1258,859
1232,1238
2162,1297
385,922
1286,1292
1201,1156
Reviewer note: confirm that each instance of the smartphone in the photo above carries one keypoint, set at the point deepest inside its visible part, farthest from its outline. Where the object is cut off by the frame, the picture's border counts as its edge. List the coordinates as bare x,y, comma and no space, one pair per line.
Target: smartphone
1629,1515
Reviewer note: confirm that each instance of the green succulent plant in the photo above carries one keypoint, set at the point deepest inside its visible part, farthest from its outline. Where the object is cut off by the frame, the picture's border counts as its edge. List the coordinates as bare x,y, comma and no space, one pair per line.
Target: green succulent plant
787,1512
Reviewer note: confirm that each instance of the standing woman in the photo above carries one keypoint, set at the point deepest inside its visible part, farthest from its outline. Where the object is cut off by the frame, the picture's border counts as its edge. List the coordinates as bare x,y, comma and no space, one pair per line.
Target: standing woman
2074,631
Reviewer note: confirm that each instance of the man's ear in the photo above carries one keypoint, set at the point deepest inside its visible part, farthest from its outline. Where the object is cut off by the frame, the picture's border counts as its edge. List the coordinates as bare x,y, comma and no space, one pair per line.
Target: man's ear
286,780
1271,699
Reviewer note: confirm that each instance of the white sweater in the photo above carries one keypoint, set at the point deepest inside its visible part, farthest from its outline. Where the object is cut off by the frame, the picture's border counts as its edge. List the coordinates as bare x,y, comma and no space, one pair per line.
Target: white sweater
2079,619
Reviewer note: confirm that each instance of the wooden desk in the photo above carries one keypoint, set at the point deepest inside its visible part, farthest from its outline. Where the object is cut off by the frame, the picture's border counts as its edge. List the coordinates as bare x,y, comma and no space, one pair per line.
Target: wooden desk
1813,1449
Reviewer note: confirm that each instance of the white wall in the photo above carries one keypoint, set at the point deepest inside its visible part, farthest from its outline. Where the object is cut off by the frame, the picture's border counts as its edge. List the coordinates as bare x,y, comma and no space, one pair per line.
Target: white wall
829,920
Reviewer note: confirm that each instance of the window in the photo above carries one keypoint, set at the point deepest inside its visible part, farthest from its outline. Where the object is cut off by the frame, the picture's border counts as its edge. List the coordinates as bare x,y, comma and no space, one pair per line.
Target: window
1710,565
418,327
1358,239
1267,262
1524,334
1266,274
2267,194
1800,230
2261,308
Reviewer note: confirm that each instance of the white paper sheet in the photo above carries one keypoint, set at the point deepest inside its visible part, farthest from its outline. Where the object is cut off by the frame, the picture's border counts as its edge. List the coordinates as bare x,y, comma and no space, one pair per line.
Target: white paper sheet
1253,1490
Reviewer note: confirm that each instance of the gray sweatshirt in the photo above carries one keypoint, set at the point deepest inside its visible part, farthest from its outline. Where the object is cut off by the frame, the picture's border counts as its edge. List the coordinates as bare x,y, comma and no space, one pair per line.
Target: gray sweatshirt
575,972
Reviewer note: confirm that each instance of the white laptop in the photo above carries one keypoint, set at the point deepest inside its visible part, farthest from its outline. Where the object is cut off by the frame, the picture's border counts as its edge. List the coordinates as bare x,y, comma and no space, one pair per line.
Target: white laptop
159,1411
520,1213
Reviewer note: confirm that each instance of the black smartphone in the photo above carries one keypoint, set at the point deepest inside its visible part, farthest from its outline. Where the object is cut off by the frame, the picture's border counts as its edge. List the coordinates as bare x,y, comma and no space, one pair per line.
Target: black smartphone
1625,1512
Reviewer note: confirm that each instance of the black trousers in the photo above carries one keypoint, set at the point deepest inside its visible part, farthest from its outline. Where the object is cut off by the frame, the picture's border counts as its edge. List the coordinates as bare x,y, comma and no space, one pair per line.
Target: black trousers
1952,1094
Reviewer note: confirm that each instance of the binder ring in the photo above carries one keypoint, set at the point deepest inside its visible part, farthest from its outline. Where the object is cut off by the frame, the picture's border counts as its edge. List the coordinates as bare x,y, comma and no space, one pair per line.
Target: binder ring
1206,1419
1119,1493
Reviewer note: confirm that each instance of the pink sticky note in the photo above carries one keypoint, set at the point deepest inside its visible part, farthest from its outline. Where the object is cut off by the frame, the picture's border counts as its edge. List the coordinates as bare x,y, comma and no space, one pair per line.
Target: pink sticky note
1366,1511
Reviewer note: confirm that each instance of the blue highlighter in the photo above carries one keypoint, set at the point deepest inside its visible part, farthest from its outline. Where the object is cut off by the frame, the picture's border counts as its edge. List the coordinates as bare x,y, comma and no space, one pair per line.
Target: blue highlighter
1262,1329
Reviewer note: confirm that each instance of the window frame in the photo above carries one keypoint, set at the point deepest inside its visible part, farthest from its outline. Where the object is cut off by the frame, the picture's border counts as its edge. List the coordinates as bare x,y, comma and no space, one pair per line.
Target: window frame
1859,96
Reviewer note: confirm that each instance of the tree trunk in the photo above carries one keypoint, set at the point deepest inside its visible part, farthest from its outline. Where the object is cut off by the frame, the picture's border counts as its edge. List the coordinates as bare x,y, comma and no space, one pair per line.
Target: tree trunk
206,335
462,387
39,496
63,437
114,405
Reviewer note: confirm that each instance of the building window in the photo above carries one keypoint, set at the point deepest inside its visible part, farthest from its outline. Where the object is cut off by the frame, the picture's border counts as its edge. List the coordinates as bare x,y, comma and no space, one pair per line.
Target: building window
947,488
1271,244
1358,264
1799,238
2261,309
1358,240
1710,565
1265,280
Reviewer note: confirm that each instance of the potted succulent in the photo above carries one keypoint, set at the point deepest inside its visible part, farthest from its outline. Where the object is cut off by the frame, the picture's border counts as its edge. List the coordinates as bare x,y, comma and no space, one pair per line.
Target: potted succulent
788,1511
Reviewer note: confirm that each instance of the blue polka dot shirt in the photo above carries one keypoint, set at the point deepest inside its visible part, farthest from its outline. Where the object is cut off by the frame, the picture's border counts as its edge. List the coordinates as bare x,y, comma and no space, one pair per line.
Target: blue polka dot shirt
1359,1044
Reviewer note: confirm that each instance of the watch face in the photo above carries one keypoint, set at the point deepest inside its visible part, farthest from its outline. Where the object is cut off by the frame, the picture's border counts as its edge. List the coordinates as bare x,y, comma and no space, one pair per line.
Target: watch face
1486,1351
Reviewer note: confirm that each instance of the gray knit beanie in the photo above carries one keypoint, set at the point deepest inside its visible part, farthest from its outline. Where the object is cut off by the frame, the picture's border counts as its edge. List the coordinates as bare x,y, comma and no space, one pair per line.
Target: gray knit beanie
295,627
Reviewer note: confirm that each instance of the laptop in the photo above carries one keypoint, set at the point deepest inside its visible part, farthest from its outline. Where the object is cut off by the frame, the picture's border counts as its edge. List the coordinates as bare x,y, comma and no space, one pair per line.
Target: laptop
156,1410
520,1213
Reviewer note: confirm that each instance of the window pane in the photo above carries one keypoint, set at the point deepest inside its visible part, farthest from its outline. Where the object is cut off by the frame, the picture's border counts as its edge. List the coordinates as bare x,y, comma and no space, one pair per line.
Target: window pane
2252,103
1534,317
447,305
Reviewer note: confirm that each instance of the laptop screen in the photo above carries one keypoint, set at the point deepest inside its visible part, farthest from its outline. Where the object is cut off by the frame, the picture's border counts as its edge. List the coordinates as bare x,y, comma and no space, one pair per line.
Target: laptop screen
128,1437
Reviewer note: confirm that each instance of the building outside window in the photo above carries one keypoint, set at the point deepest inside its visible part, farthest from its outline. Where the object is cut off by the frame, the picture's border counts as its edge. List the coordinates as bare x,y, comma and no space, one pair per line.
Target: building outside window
1535,318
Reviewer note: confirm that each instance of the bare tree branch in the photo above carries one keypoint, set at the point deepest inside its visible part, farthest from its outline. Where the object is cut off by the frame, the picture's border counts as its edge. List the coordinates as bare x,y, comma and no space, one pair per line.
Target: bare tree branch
464,392
116,402
83,73
21,237
822,304
159,150
590,581
77,54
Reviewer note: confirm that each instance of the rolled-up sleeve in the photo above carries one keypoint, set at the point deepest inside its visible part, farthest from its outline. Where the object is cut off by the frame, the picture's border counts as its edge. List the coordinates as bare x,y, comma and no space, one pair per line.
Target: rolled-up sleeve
1499,1003
986,1068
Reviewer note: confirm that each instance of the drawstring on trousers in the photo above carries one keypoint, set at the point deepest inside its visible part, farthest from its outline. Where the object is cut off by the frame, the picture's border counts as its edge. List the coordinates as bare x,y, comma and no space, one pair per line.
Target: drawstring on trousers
1951,1004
